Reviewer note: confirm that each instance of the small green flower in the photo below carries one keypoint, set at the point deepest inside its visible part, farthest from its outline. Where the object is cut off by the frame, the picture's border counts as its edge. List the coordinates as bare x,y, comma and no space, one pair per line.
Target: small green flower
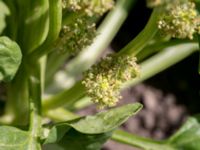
76,35
180,20
90,7
104,80
80,31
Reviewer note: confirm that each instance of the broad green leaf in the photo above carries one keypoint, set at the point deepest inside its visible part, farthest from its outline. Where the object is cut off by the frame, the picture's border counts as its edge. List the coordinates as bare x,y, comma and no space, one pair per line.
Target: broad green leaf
89,132
12,138
10,58
105,121
3,12
188,137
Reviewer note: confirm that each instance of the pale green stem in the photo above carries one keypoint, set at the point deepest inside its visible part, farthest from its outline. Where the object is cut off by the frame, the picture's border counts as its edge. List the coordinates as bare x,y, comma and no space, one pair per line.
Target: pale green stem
140,142
35,89
154,48
162,61
12,21
60,114
81,103
16,110
53,66
144,37
55,23
65,98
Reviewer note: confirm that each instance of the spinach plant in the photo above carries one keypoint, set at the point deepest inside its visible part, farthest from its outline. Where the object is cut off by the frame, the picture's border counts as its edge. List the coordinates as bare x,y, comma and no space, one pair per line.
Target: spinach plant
48,64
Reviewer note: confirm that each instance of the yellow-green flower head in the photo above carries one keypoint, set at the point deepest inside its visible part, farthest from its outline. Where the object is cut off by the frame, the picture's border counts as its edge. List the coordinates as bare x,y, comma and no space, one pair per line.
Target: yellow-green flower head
76,35
104,80
180,20
90,7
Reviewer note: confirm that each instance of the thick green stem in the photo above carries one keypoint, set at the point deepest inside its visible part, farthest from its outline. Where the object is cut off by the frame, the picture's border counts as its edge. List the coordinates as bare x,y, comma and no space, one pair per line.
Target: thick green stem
154,48
35,99
12,20
162,61
16,110
53,66
55,22
61,114
36,83
65,98
140,142
144,37
32,30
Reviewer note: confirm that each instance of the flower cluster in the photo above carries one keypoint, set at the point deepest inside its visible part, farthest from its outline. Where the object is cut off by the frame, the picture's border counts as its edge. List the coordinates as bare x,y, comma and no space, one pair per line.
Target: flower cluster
180,20
104,80
80,31
90,7
77,35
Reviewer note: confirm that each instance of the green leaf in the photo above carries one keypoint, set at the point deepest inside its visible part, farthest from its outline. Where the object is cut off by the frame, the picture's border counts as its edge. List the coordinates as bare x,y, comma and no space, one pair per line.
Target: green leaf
74,140
10,58
89,132
188,137
4,11
105,121
12,138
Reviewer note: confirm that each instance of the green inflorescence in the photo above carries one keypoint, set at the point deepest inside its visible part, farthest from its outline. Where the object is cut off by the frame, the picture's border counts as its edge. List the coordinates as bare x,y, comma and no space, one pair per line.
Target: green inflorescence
90,7
77,35
81,30
104,80
180,20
